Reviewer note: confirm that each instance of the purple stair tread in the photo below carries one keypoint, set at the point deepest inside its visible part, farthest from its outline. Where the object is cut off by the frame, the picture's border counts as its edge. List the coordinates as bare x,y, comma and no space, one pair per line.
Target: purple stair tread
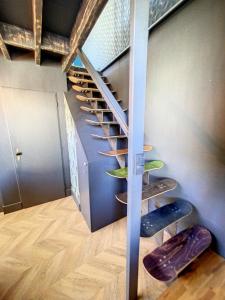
166,261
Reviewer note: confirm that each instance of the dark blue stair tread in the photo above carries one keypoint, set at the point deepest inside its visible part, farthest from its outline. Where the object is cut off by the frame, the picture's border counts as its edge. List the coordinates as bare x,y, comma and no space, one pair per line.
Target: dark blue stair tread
168,260
162,217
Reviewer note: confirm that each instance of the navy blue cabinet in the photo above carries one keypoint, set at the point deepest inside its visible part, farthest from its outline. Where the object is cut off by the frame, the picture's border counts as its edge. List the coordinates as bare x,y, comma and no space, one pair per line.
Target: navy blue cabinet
96,189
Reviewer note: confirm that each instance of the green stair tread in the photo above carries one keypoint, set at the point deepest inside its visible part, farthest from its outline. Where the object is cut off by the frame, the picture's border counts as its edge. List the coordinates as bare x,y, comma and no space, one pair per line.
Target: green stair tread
149,166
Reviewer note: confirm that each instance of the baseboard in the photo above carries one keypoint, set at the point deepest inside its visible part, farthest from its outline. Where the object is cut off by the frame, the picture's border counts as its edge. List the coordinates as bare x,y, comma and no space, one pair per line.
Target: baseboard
12,207
68,192
75,200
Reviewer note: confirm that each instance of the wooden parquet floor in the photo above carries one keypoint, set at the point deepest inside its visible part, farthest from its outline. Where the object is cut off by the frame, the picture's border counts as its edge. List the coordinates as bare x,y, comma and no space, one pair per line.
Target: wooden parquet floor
47,252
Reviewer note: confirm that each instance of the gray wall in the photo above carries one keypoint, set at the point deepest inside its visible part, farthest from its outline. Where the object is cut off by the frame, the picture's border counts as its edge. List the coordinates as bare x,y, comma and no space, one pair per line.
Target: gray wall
185,110
22,73
0,201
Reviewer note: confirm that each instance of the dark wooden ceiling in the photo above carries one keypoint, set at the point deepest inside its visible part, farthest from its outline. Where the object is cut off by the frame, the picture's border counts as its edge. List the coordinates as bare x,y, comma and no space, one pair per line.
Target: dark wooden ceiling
17,12
62,20
47,26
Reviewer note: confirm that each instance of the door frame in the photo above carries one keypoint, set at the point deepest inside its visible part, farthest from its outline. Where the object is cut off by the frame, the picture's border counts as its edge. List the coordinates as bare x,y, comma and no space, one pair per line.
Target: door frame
5,134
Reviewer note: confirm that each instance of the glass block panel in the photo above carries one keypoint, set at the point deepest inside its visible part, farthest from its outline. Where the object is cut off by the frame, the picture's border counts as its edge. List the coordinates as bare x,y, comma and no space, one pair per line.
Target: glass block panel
158,8
71,138
110,35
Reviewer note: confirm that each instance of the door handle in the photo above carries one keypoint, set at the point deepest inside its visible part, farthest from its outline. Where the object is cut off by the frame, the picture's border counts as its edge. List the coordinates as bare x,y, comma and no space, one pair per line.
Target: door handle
18,154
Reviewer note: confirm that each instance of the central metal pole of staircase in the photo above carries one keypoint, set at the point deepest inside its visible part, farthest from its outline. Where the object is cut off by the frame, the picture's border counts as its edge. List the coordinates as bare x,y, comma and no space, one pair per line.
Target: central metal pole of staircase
137,91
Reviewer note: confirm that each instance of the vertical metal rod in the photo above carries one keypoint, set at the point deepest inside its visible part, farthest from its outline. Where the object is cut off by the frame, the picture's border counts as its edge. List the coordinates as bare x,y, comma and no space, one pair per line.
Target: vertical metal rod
137,90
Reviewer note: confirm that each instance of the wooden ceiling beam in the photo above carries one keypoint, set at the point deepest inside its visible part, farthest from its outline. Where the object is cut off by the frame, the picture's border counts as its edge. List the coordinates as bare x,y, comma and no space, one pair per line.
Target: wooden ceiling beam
4,49
87,16
55,43
37,6
16,36
22,38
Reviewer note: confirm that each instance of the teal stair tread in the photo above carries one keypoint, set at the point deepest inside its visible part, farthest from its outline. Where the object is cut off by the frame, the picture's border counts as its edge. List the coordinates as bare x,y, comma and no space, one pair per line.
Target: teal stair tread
149,166
159,219
168,260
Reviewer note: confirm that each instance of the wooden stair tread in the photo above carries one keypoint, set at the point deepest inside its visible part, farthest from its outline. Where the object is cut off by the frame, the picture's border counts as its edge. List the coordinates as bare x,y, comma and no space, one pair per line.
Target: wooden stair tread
74,73
90,99
82,80
168,260
79,80
87,99
122,151
152,190
159,219
104,137
149,166
96,110
99,123
86,89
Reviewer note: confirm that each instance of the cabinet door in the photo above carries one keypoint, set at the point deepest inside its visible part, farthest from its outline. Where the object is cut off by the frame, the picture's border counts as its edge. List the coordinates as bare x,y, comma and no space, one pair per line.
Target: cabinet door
32,122
83,179
72,149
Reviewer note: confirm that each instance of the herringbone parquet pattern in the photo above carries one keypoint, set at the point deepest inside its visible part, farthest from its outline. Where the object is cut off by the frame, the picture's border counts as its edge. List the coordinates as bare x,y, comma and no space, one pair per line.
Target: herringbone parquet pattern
48,253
